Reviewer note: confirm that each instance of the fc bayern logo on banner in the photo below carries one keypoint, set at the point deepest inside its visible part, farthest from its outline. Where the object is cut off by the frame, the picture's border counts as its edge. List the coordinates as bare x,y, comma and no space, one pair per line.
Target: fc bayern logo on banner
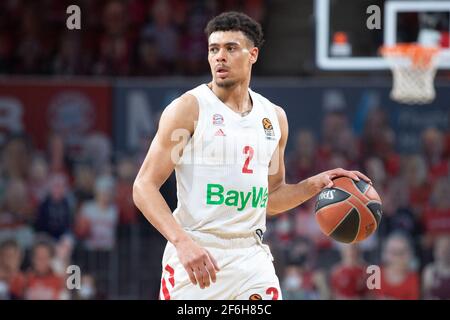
71,112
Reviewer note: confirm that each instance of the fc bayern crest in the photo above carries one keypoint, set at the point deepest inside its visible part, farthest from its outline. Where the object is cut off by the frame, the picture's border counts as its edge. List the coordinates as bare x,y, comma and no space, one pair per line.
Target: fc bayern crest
217,119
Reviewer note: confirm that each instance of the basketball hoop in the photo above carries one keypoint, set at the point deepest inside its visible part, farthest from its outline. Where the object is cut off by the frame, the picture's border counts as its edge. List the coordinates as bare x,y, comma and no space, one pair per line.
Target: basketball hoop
413,69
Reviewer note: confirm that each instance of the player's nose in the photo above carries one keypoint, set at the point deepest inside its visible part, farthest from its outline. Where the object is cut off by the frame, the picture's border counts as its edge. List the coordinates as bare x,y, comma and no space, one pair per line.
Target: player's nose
221,55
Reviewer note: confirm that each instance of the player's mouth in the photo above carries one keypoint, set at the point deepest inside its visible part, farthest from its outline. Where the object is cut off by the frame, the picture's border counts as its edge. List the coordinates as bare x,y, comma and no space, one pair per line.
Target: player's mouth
222,72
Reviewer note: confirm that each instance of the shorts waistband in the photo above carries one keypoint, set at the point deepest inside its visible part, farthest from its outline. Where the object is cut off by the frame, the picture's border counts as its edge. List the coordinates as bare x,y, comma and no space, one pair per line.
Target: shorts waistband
224,242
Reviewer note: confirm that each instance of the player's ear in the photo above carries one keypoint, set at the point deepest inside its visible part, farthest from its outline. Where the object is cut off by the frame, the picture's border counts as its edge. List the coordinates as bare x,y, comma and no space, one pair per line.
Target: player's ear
253,54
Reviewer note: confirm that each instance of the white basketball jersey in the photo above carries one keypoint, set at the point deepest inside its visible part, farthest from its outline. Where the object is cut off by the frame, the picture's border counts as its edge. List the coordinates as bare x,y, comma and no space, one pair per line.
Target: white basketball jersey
222,176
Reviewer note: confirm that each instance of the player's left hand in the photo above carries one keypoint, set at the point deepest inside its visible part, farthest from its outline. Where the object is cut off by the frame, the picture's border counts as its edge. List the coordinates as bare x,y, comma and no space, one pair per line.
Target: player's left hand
325,179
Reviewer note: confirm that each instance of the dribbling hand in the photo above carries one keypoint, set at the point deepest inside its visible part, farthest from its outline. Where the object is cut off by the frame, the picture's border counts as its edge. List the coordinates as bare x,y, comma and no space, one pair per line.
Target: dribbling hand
325,179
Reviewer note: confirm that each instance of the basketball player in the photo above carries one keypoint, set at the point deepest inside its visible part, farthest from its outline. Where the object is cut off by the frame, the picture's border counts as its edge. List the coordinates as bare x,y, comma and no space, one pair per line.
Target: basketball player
233,138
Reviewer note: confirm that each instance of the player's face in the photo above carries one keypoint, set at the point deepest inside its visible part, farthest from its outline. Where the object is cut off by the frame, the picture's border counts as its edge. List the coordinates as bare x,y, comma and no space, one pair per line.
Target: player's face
231,55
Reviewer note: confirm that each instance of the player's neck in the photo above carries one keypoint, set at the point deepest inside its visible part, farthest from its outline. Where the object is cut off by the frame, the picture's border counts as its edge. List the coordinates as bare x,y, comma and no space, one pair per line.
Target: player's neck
236,97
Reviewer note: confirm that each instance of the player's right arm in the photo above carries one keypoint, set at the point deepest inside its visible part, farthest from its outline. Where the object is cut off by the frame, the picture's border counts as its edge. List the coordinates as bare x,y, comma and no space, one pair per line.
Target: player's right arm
176,126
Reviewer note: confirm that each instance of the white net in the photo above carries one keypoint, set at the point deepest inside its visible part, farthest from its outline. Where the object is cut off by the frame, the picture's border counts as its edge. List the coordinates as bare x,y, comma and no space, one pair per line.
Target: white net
413,71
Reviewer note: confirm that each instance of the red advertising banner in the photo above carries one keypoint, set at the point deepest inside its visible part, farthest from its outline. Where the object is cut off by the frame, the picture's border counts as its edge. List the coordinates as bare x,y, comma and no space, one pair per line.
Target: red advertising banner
40,108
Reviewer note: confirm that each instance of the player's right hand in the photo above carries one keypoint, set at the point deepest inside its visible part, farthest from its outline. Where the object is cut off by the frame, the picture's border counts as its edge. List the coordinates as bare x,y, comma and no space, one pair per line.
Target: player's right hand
198,262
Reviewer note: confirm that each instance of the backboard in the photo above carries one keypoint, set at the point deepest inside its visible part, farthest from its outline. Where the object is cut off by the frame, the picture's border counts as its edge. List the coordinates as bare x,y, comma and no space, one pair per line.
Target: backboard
345,42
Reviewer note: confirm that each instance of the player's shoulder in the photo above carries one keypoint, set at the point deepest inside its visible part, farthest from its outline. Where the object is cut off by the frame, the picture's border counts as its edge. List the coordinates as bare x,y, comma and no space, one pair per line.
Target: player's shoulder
182,112
282,118
278,109
281,114
185,104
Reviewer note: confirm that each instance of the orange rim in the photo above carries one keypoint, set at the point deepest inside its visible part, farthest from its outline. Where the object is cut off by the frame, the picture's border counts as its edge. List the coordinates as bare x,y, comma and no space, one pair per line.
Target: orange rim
420,56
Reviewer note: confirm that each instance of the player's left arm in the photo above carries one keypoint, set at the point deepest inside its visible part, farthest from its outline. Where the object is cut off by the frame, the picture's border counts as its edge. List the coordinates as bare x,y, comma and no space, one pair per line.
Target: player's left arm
283,196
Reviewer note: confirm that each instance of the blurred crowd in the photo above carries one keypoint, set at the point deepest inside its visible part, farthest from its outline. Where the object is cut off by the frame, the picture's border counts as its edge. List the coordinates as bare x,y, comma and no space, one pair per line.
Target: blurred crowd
117,37
412,244
57,210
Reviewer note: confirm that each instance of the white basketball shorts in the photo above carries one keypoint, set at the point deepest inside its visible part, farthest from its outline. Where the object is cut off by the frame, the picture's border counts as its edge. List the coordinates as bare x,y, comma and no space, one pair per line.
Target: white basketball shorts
246,271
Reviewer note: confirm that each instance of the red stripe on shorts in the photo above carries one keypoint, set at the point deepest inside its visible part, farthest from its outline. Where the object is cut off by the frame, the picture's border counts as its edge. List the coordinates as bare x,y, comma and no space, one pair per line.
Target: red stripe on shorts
171,275
165,291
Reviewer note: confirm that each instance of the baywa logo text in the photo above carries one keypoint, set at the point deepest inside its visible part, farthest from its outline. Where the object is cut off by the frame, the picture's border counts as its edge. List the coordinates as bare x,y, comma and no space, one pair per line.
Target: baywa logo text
216,195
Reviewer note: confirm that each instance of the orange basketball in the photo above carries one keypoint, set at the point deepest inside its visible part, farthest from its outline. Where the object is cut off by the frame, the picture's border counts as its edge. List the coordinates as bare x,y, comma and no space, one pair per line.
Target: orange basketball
350,211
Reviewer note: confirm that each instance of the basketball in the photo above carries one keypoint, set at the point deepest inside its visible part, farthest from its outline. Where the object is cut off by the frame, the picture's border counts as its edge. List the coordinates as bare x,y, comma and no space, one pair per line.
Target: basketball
348,212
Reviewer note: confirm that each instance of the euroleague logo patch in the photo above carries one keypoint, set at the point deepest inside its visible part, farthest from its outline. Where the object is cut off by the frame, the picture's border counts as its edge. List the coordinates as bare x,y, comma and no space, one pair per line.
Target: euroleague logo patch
268,129
255,296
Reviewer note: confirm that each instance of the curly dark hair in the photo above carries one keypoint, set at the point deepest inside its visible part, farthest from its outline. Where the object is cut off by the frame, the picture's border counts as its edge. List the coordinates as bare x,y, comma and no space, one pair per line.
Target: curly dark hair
236,21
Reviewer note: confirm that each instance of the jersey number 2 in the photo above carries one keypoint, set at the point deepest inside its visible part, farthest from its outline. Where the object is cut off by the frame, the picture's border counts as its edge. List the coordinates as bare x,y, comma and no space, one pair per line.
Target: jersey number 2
249,152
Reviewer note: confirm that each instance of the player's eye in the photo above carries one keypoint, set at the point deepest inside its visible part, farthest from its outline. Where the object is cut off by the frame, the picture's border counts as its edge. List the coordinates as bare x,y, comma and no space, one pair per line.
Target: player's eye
231,49
213,50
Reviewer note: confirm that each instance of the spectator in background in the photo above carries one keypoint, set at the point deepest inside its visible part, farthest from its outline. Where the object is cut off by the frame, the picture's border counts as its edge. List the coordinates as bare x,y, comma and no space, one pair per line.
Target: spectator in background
40,283
126,173
83,188
63,255
373,143
193,39
375,169
6,51
436,275
16,214
136,10
436,218
255,9
88,289
148,60
347,147
391,159
38,180
306,226
348,278
302,160
447,144
284,229
100,217
333,121
72,57
300,281
414,174
97,225
31,51
398,215
97,152
162,30
115,43
16,158
57,156
434,148
337,160
181,10
10,260
55,213
378,140
398,279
